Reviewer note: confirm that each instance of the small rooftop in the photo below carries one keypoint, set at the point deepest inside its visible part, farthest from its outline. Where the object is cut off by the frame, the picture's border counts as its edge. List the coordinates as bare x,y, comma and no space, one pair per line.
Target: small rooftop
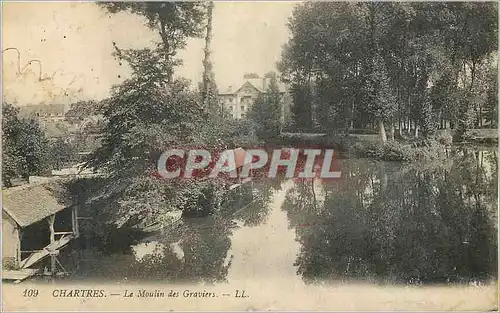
260,83
29,204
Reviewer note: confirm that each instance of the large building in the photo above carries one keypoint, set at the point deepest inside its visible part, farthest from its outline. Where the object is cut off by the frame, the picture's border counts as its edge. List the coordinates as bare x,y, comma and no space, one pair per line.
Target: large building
237,99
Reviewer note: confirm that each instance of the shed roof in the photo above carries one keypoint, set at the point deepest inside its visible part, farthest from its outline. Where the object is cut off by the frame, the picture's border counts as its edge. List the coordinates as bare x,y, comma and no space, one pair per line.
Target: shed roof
30,204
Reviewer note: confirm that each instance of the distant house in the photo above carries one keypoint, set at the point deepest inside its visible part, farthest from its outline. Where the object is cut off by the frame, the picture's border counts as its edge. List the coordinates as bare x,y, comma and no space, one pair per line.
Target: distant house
53,112
67,121
50,116
34,225
237,101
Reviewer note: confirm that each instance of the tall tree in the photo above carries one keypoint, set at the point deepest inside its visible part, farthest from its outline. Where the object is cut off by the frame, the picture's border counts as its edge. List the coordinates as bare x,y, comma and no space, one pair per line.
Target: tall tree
266,111
147,114
377,94
209,87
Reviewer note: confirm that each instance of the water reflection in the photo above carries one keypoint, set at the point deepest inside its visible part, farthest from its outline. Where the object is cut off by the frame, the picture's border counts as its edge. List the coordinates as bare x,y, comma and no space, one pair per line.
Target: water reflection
386,222
382,222
196,250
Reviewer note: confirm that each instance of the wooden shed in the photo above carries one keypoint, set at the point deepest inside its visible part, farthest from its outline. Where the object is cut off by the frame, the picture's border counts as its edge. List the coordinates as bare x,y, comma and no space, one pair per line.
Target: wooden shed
35,225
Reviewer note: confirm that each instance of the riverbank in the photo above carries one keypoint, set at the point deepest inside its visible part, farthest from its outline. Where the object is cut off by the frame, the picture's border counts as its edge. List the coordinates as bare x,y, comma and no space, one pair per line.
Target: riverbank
399,149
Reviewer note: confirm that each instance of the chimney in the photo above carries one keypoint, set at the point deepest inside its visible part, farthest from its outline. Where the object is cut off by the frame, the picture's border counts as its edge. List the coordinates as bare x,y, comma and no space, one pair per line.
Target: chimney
250,76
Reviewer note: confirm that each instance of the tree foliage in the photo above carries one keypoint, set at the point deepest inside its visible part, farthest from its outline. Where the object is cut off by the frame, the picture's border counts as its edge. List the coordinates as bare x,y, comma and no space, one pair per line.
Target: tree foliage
265,112
62,153
24,147
174,21
80,110
411,65
149,113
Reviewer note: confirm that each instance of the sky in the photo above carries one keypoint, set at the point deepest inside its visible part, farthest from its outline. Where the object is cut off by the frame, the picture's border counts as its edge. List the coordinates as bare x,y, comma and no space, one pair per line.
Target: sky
73,42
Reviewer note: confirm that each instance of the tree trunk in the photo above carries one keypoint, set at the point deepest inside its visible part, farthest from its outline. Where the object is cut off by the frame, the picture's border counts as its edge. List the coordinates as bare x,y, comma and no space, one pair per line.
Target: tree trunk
381,132
416,130
391,131
352,116
480,116
383,177
313,193
207,66
473,75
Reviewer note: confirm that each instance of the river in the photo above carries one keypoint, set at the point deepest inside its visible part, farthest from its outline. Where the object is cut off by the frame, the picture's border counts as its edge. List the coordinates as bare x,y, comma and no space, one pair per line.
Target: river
381,222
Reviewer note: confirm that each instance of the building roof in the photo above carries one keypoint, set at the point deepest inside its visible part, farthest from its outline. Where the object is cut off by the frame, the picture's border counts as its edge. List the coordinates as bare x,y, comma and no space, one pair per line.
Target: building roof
260,84
30,204
43,109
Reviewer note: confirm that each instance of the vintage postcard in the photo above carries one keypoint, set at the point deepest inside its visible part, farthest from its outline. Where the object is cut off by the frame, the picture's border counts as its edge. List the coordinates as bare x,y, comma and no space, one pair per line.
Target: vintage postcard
249,156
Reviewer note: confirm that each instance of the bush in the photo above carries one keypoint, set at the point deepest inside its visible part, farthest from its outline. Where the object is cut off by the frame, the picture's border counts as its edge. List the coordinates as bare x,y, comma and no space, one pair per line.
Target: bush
366,149
337,142
444,137
355,147
395,151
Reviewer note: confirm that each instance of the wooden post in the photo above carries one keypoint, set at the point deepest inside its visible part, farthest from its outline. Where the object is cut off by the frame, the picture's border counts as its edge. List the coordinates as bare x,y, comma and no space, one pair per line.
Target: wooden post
20,236
74,220
51,219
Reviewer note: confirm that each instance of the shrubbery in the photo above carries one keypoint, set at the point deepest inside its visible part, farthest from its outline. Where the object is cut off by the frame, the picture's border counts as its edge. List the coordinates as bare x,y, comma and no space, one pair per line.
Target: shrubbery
350,146
478,136
337,142
445,137
397,151
391,151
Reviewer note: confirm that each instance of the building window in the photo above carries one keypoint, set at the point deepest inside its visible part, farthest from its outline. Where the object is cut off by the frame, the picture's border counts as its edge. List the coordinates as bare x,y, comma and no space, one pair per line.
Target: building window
246,100
242,108
230,108
230,100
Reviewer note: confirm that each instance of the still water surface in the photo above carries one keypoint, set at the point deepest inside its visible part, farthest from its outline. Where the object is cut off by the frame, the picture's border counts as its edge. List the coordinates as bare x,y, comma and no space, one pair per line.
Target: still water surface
382,222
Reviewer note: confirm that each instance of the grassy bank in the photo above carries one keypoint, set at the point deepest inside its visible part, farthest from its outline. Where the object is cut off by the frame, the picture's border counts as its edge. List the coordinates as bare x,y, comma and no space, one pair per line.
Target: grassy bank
480,137
400,149
368,146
